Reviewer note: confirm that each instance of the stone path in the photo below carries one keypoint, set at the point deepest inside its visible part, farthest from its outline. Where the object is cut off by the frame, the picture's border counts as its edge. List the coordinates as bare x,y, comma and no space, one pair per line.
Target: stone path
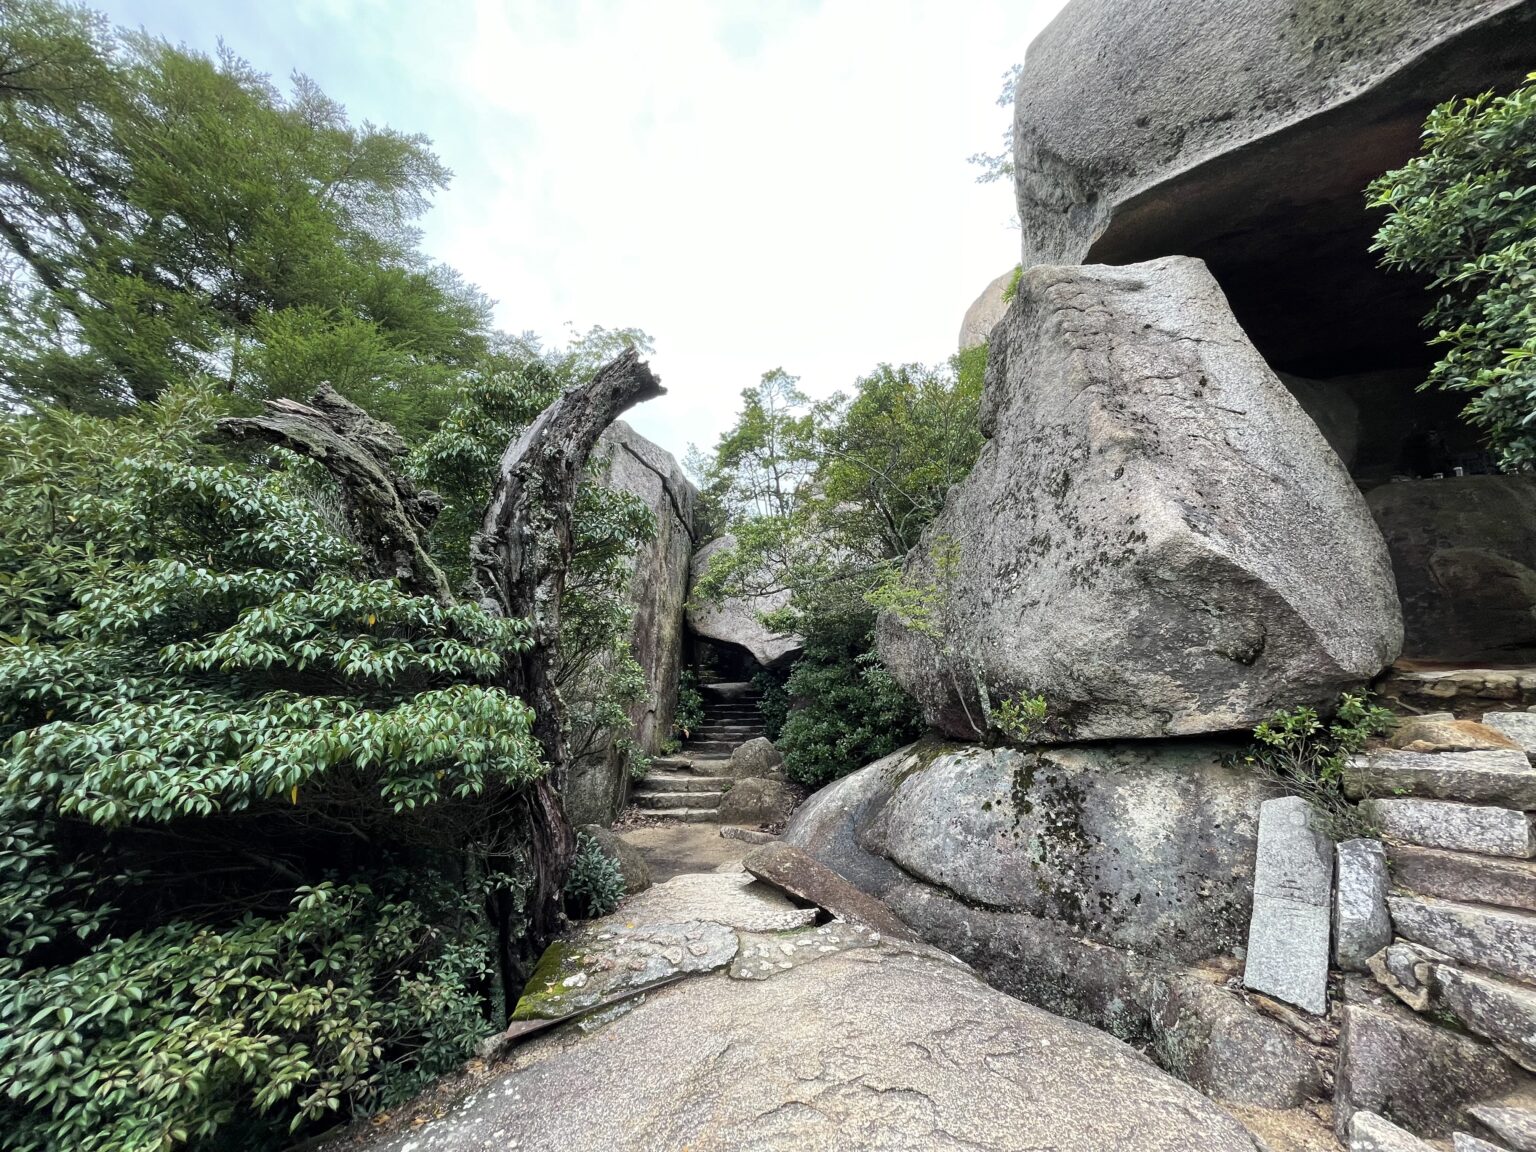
688,787
762,1030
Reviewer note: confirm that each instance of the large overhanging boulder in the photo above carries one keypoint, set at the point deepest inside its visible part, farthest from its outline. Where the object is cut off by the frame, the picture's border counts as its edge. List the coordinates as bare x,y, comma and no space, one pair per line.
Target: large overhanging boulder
1156,537
984,313
1244,132
739,619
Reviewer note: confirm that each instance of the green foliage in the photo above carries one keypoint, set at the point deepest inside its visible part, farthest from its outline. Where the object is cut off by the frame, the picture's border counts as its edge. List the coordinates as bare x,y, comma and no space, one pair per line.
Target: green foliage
1308,757
1012,290
847,711
1463,213
999,165
774,700
166,216
690,705
251,802
595,885
1020,720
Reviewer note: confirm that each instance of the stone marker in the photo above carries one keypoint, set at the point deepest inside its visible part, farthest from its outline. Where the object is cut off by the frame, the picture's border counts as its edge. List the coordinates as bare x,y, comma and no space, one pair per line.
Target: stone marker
1518,726
1463,827
1369,1132
1292,885
1515,1125
1465,877
1496,939
1502,776
1361,926
1502,1011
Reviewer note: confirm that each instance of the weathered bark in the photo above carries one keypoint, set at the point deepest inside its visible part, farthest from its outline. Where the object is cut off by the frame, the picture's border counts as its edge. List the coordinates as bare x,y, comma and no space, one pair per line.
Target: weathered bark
519,560
388,515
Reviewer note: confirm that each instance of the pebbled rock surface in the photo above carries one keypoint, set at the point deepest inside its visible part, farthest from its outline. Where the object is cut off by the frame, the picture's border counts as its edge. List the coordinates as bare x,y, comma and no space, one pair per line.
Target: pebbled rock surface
863,1049
737,620
1155,537
733,899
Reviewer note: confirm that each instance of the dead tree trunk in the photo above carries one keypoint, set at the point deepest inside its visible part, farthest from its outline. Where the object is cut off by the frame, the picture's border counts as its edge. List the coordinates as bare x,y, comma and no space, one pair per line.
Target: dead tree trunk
388,515
519,560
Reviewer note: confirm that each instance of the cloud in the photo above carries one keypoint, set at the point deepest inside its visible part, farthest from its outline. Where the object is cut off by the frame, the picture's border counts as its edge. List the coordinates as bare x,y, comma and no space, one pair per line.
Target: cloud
755,185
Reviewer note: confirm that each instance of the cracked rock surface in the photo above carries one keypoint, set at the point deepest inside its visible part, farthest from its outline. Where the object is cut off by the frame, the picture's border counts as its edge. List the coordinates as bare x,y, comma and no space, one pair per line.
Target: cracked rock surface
867,1048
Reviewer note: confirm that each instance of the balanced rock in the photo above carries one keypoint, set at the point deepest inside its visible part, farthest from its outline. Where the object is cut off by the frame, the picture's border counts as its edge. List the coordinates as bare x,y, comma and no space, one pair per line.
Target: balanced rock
1156,538
739,619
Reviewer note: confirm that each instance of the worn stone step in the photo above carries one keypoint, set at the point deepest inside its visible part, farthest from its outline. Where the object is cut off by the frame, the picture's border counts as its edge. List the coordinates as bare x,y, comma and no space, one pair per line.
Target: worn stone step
669,763
1498,940
1518,726
686,815
710,800
1460,827
705,747
1503,777
1464,876
1515,1125
740,733
684,781
1503,1011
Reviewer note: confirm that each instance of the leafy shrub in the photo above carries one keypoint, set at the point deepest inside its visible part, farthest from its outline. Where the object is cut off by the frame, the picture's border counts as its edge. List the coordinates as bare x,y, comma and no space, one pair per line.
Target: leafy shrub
774,700
595,885
253,806
1307,757
1019,720
847,710
690,706
1461,213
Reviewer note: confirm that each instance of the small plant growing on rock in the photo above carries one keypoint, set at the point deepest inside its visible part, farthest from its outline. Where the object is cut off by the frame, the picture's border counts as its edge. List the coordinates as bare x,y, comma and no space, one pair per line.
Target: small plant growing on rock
1308,758
595,885
1019,721
690,706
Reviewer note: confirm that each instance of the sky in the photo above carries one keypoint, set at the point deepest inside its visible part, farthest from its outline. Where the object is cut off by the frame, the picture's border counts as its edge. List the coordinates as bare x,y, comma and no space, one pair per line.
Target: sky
778,183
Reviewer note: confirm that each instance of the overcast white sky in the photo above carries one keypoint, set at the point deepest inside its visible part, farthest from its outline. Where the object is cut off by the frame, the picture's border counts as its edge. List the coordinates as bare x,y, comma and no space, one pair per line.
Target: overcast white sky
756,184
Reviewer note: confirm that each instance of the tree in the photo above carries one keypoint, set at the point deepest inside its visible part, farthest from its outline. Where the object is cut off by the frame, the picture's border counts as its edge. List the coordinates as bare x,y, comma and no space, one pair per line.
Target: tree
1463,212
999,165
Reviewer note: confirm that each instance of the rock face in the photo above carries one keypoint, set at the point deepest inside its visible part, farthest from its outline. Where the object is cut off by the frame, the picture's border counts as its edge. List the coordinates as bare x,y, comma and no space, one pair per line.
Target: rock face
1089,881
1464,553
982,316
756,757
1247,145
657,593
757,800
737,620
864,1049
1292,885
1155,537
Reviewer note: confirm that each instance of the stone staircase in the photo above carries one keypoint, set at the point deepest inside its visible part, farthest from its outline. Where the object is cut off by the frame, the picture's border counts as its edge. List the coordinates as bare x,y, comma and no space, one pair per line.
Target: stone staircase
1460,832
689,786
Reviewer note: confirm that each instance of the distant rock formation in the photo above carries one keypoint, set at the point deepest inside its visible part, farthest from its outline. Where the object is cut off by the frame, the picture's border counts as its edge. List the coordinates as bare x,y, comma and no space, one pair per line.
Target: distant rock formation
657,591
982,316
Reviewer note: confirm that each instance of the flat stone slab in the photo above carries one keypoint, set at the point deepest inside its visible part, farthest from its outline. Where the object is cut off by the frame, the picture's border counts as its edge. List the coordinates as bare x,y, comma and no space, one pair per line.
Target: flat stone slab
1499,940
609,955
800,874
1516,1126
867,1049
1502,1011
762,957
1460,827
1442,732
1503,777
1361,925
1369,1132
734,899
1518,726
1463,876
1292,890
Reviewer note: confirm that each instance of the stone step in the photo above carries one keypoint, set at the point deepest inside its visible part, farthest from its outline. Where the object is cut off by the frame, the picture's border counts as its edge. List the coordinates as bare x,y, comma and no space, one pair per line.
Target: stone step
670,763
684,781
750,718
709,800
726,732
1498,940
1518,726
1503,777
686,815
1514,1125
1464,876
706,747
1503,1011
1459,827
